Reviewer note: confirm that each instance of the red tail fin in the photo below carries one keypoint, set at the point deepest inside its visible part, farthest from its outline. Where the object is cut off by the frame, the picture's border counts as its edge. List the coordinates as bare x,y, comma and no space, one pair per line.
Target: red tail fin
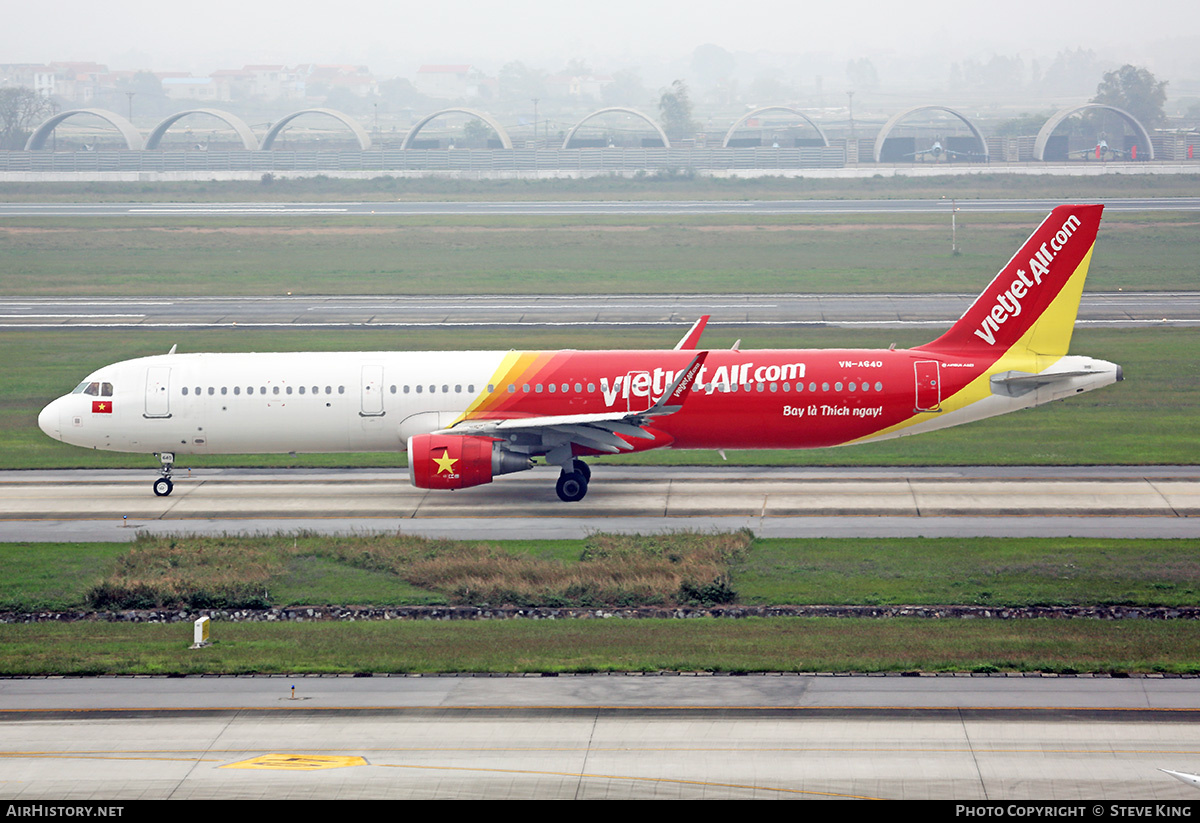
1038,290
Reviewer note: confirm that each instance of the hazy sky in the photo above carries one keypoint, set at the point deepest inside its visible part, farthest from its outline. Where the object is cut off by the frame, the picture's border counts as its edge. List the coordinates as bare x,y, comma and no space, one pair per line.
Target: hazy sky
396,37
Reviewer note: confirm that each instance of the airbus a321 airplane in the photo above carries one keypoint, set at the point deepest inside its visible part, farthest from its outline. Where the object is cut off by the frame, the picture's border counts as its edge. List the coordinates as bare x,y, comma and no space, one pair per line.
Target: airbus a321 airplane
466,417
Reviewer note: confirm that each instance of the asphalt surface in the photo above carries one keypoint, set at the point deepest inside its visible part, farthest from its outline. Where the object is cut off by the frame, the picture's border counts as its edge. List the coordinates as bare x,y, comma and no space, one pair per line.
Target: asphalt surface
773,502
597,736
581,207
1114,309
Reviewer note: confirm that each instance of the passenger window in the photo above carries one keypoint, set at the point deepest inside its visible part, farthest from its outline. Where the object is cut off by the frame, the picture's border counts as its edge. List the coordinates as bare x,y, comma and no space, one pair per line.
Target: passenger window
211,391
837,386
420,389
553,388
302,390
224,390
185,391
878,387
329,389
237,389
341,389
274,390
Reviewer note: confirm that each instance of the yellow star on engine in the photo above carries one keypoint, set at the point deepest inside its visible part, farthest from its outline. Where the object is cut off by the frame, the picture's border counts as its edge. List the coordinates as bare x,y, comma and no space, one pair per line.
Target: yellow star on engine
445,462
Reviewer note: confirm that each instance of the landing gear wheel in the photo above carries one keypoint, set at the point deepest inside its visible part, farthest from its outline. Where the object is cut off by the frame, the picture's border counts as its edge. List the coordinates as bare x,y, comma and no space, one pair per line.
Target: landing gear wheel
582,468
163,486
572,486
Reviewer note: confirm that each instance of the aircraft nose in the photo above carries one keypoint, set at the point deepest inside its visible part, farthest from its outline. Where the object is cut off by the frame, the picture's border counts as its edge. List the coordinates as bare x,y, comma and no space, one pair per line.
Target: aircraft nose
49,420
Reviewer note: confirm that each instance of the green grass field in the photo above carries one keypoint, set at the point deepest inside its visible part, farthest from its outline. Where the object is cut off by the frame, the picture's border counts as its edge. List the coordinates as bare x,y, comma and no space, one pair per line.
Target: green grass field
603,570
716,254
748,645
317,570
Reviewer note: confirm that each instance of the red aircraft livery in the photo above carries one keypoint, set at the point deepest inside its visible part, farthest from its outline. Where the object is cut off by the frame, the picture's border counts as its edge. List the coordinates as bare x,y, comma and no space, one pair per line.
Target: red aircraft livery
466,417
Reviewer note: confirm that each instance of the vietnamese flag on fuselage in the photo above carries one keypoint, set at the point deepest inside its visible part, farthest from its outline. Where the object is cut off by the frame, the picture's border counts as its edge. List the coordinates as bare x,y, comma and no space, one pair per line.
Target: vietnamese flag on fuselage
101,407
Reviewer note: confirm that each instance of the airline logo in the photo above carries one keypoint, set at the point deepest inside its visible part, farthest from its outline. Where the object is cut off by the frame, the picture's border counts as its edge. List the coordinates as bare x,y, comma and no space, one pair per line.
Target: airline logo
1008,301
101,407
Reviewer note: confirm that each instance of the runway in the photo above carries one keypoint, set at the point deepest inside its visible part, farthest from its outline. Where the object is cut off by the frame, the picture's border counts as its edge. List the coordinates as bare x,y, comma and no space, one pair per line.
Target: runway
772,502
1109,309
579,207
598,736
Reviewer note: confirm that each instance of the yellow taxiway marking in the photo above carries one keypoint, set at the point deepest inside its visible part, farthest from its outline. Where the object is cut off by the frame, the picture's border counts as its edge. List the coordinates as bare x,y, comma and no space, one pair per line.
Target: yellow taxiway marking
589,776
297,762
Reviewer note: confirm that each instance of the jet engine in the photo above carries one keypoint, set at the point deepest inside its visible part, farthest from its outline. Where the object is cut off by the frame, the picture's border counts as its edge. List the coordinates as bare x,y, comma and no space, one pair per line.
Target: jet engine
447,461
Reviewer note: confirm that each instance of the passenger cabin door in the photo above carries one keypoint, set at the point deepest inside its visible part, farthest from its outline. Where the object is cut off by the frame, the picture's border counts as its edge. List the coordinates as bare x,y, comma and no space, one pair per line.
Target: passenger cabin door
637,390
158,391
929,386
372,391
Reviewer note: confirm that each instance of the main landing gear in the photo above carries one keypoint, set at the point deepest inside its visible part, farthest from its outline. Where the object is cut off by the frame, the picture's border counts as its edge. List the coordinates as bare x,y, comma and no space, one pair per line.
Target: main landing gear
573,483
163,485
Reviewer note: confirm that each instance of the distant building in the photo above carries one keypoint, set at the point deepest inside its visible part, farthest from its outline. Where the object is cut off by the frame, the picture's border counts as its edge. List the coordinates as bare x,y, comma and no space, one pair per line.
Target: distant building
448,82
181,86
576,86
357,80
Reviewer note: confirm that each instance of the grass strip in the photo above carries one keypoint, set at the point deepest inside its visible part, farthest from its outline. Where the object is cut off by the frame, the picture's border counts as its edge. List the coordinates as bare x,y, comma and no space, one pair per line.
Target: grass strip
469,255
603,570
516,646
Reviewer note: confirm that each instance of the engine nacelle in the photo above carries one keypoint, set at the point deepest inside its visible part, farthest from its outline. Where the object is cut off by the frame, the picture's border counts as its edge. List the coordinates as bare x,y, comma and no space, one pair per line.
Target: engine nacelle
447,461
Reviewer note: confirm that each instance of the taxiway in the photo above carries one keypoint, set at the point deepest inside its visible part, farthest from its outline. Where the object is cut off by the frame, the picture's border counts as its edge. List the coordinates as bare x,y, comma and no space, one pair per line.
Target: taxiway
772,502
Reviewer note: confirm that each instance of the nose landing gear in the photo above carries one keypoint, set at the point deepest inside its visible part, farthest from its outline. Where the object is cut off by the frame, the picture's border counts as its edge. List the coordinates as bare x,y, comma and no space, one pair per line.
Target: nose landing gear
163,485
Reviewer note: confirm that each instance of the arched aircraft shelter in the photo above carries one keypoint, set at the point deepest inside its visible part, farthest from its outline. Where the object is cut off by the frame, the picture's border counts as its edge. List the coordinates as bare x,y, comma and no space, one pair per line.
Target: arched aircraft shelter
1043,135
37,140
904,115
505,140
634,112
364,139
249,141
764,110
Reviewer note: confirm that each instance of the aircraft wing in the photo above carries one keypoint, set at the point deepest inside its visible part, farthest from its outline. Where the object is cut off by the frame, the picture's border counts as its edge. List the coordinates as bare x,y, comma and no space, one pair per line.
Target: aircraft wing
603,432
689,340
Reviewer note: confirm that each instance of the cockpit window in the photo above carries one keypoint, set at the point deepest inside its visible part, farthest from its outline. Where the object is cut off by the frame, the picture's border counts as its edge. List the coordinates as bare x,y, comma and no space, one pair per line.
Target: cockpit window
94,388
